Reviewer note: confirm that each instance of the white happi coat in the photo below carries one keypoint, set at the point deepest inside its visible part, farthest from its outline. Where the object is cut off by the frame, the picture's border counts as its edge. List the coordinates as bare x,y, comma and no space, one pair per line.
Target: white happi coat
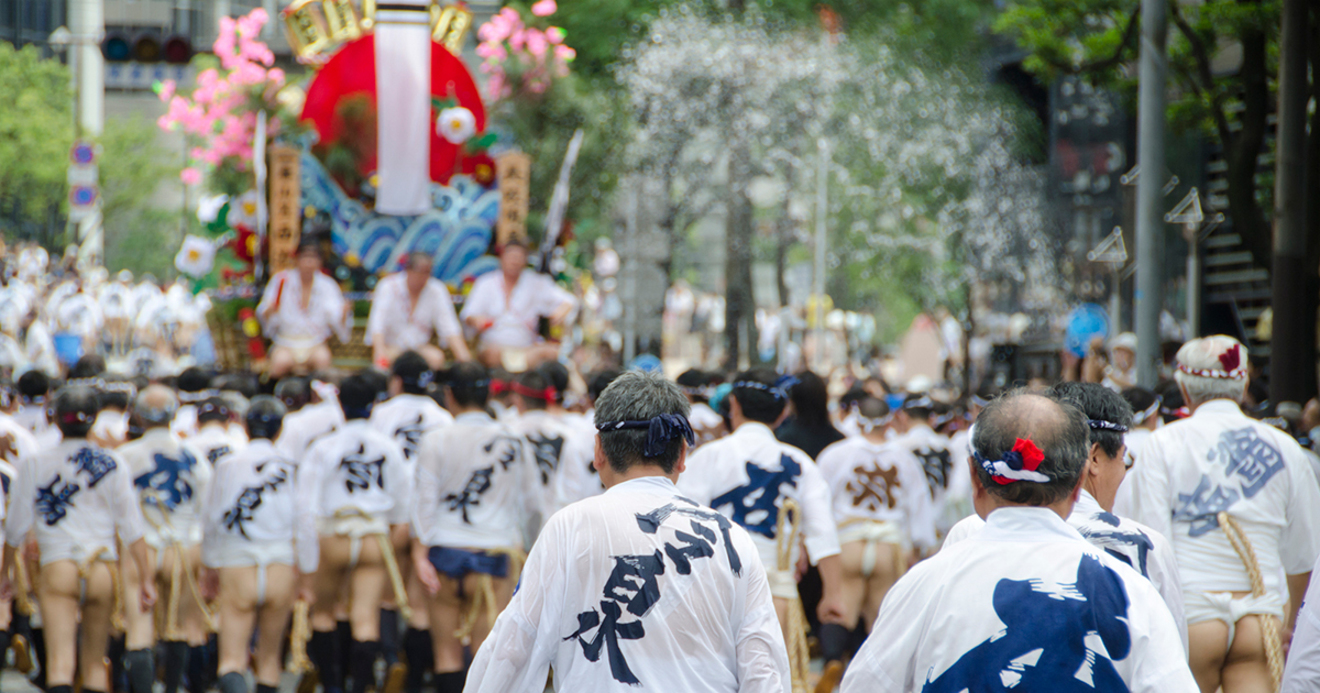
355,481
307,425
936,459
746,475
216,440
880,486
515,312
1302,671
252,515
289,325
76,497
1026,604
1134,442
1219,460
637,589
556,445
1145,550
171,479
407,418
405,325
477,486
706,423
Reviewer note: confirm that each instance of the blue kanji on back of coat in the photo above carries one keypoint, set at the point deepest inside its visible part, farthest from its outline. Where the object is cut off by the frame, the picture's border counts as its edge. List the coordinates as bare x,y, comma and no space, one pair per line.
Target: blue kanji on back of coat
755,504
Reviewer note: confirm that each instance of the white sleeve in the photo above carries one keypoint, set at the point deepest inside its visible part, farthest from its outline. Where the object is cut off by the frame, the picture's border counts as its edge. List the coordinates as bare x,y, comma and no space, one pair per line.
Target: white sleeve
307,539
445,319
400,485
210,526
761,654
1150,491
22,500
480,302
268,299
376,318
1159,659
309,503
1302,672
819,533
1300,545
341,324
124,504
426,499
518,652
552,297
1162,568
921,509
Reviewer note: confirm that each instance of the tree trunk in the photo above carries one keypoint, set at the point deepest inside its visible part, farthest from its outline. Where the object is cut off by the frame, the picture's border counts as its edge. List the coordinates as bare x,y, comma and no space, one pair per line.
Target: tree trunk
1242,151
739,307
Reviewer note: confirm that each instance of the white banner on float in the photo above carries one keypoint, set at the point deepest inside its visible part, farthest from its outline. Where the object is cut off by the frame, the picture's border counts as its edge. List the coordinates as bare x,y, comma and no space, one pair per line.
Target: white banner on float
403,108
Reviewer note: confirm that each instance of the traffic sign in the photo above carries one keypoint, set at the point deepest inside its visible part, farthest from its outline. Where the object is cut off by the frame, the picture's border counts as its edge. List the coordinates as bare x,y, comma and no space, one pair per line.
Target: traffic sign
1111,250
83,152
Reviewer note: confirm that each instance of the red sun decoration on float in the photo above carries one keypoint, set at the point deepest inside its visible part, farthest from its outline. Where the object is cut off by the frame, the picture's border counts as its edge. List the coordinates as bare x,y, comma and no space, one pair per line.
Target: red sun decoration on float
351,72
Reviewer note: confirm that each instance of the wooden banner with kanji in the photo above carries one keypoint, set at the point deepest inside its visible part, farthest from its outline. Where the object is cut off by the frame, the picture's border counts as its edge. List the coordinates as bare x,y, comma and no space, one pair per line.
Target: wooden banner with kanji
515,174
285,207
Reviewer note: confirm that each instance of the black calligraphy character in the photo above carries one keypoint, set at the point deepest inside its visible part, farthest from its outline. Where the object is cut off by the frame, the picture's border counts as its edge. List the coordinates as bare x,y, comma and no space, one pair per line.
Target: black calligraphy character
362,472
756,504
1247,455
1201,507
54,500
477,484
94,463
511,452
632,586
547,451
409,436
936,463
650,524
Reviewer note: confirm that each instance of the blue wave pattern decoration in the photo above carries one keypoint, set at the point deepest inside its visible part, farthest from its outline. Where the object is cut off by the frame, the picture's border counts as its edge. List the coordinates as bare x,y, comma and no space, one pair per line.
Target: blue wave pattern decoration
456,233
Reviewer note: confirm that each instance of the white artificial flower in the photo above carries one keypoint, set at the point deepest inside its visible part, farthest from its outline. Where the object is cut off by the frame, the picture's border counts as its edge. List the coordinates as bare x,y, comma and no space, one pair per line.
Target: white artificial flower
243,212
196,258
208,208
456,125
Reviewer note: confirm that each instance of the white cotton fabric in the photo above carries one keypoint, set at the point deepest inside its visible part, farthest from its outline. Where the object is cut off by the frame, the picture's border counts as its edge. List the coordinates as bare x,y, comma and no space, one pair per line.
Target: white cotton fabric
171,479
875,483
355,469
408,418
252,513
403,325
944,609
710,630
290,326
1134,442
1301,674
559,449
403,110
307,425
1184,479
95,512
707,425
720,468
937,461
477,485
216,440
515,311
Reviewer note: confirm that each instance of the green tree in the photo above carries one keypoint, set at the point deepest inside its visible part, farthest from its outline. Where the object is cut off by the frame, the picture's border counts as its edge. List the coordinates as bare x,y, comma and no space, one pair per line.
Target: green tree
36,131
138,237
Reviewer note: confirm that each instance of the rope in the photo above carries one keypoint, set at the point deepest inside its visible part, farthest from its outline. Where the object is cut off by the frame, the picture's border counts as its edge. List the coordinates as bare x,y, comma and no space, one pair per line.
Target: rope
23,595
176,572
484,599
1269,623
387,555
299,634
799,655
117,605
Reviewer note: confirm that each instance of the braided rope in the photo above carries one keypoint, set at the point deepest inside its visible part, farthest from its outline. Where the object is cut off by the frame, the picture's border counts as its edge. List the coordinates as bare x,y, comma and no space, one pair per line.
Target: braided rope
117,600
299,634
799,656
387,555
1269,623
484,599
23,593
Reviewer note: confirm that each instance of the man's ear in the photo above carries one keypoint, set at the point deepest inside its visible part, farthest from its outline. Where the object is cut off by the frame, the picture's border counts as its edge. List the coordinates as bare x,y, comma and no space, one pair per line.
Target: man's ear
1093,460
681,465
598,460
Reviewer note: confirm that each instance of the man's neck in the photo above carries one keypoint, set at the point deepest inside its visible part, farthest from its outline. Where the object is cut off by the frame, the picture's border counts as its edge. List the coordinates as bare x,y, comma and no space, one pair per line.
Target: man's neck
876,437
511,280
1061,508
640,472
306,277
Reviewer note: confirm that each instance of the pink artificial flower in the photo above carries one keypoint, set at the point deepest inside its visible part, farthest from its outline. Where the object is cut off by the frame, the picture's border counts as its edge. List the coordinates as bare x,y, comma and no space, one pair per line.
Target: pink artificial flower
492,50
536,43
555,35
259,16
517,39
197,153
167,90
249,73
275,75
544,8
565,53
190,176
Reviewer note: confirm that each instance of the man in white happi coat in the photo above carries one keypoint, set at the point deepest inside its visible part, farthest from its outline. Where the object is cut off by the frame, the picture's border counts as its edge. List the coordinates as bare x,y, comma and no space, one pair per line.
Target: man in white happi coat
407,308
555,444
748,475
477,489
300,309
505,306
882,508
707,424
1240,503
355,481
216,435
314,412
256,534
1147,551
76,499
1302,673
912,424
1027,603
1146,420
171,479
640,588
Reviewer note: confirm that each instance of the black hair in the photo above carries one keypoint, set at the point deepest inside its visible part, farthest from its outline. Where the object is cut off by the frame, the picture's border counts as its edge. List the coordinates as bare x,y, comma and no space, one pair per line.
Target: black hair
1140,399
469,383
75,409
534,381
599,380
213,410
89,366
760,405
34,385
294,392
194,379
694,383
853,396
265,417
811,402
412,369
918,406
117,394
1171,400
872,407
556,376
243,383
1058,429
379,381
357,394
499,374
639,396
1098,403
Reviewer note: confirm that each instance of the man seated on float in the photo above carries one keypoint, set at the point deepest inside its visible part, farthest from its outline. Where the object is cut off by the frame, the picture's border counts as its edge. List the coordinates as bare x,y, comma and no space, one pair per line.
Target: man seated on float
75,497
407,308
300,308
504,308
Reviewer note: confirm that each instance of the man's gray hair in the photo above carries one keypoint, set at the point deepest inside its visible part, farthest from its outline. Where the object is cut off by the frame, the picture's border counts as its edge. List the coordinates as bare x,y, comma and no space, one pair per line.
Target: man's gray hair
417,257
1203,355
639,396
155,405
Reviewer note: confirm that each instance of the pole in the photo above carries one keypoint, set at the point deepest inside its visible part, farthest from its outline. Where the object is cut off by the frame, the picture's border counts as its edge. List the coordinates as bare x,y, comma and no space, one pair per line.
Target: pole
1193,282
87,24
1149,292
630,276
818,275
1115,299
1293,283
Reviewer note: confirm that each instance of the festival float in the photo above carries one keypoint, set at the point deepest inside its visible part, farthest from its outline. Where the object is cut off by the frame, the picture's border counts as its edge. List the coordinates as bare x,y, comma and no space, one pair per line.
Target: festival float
382,150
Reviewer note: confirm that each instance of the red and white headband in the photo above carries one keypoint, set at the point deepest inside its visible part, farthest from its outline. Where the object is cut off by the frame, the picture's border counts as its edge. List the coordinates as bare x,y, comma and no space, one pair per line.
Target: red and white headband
1231,362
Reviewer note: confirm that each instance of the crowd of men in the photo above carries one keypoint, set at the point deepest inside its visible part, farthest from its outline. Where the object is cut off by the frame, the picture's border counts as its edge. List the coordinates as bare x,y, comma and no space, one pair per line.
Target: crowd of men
433,522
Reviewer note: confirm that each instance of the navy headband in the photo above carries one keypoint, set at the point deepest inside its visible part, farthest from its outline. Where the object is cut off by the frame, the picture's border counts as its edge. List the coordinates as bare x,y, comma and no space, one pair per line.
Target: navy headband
779,390
660,430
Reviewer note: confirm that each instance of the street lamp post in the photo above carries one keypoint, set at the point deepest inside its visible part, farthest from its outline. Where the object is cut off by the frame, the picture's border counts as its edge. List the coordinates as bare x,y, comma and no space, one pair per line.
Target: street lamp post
87,73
